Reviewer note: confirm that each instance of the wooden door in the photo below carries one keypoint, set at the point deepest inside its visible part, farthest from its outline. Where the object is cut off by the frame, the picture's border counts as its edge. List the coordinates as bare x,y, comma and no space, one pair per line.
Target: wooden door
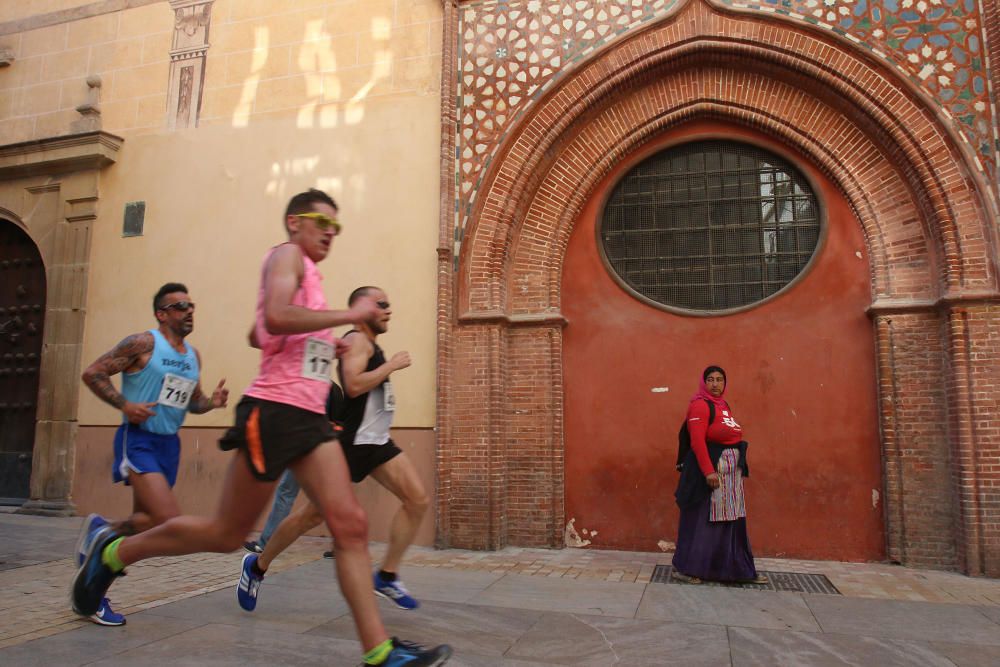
22,315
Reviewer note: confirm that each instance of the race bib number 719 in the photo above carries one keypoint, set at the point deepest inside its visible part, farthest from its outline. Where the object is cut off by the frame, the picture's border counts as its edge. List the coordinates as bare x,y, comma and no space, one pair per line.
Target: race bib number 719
176,391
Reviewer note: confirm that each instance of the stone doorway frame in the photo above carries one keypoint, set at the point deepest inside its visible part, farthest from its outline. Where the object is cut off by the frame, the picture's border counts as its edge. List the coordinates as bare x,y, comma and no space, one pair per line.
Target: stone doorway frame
50,188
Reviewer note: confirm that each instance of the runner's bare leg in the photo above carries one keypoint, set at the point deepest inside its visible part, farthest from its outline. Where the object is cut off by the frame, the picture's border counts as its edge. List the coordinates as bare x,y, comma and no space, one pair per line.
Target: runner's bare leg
324,477
243,500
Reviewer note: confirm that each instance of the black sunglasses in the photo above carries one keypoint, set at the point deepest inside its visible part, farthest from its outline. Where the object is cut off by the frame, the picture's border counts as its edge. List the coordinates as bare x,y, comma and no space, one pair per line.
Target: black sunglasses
179,305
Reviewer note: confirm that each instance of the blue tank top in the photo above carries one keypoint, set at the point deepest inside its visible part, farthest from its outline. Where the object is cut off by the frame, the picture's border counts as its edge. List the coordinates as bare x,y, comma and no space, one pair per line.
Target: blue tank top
168,379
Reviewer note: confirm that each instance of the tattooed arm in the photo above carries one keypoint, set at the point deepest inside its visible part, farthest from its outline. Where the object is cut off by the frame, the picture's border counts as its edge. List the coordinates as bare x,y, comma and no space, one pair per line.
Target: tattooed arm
132,351
200,403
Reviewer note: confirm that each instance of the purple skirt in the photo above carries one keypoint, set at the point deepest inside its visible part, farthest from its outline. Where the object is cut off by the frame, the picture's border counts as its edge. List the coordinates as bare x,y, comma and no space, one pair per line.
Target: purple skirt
716,551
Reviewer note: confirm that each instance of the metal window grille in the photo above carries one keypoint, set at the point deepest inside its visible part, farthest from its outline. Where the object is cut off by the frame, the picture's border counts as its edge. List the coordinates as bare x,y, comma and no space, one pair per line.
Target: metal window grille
710,226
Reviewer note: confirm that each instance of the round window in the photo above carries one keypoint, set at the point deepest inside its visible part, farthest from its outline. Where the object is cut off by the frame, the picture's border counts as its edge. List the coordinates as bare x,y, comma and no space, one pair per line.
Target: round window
710,226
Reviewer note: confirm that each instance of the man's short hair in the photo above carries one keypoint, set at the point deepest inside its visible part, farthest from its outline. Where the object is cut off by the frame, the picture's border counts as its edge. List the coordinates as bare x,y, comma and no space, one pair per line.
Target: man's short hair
360,292
304,201
169,288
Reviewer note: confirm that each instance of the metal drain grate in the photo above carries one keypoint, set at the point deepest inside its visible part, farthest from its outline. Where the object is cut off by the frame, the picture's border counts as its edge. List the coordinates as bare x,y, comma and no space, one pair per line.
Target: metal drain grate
794,582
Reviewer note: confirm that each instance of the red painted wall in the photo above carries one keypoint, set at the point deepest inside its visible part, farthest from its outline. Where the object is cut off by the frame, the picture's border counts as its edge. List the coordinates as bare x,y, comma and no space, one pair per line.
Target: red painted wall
801,372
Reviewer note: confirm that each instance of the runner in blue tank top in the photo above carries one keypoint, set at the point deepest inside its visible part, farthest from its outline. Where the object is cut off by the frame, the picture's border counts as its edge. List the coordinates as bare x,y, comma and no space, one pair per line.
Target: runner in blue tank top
160,385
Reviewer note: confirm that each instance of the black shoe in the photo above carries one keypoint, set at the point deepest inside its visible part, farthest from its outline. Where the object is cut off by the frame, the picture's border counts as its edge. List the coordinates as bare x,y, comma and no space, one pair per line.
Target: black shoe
253,547
327,554
93,578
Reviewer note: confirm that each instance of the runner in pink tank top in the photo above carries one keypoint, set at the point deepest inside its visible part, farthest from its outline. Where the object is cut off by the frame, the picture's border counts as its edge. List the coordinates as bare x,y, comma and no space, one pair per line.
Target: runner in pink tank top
280,423
294,368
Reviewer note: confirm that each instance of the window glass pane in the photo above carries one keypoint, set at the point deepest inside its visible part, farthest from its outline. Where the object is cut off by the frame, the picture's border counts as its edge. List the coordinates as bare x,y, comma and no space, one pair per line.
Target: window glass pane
710,225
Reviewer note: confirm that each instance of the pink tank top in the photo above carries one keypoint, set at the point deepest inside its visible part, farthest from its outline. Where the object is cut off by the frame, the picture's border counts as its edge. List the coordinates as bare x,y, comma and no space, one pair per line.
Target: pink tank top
295,368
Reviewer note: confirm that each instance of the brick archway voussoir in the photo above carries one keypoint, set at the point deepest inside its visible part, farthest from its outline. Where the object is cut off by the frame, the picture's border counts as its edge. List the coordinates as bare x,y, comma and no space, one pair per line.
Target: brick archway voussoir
928,158
899,257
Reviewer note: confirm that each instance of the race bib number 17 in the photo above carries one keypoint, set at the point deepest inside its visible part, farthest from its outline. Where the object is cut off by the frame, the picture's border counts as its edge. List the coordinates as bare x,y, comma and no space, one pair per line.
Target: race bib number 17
317,360
176,391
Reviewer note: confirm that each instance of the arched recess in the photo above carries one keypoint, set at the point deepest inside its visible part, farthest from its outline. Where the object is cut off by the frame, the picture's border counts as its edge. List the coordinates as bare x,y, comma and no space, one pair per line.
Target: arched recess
22,317
926,215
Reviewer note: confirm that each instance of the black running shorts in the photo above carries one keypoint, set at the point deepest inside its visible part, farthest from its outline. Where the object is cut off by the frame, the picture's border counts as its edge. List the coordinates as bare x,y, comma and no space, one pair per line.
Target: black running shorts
273,435
362,459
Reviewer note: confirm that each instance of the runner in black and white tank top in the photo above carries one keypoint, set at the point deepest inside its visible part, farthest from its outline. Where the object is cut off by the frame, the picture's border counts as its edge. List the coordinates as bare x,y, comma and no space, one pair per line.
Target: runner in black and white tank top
368,416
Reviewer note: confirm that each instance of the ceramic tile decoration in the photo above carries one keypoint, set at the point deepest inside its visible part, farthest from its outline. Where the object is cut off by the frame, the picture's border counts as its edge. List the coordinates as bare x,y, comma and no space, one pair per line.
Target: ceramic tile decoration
512,51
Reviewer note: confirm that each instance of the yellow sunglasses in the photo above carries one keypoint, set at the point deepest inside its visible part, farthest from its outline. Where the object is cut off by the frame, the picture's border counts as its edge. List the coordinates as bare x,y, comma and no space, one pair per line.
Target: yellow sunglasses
322,220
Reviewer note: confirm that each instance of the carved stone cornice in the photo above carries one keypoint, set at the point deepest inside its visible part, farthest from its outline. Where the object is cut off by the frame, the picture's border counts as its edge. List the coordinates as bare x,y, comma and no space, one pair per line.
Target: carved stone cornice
88,150
183,54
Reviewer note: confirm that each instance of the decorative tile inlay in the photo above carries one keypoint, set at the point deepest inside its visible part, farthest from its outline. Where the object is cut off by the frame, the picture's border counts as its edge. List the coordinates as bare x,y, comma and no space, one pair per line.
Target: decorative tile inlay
937,44
511,51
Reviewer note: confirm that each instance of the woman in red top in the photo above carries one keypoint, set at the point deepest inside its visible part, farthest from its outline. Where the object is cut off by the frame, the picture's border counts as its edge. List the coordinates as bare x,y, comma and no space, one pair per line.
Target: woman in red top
712,540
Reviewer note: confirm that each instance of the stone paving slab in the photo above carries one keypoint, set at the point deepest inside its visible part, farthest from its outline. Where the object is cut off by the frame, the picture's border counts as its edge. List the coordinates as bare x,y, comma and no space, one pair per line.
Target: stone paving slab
221,645
963,655
26,541
725,606
752,647
447,585
289,610
36,597
896,619
577,639
578,596
516,607
470,629
992,613
865,580
86,642
307,575
894,582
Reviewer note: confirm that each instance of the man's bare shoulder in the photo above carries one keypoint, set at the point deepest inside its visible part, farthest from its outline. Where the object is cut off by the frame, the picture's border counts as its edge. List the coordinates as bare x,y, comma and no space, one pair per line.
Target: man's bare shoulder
358,344
284,260
137,343
285,253
125,354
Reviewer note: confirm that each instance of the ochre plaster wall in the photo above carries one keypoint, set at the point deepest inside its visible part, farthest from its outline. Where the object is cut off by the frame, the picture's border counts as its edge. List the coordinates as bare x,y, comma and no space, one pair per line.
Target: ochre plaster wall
308,97
11,11
340,95
319,61
214,202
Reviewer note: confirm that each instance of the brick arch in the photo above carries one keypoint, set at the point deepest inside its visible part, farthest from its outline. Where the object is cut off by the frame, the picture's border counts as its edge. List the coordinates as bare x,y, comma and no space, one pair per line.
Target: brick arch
927,216
900,263
931,165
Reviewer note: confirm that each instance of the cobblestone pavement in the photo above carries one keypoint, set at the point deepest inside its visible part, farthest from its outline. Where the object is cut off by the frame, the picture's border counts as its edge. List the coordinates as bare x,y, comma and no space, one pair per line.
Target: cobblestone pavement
36,567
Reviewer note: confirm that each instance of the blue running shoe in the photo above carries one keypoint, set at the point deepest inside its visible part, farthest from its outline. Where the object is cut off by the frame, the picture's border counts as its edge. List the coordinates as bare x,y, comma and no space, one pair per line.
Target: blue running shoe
249,585
87,532
93,578
395,591
106,615
408,654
